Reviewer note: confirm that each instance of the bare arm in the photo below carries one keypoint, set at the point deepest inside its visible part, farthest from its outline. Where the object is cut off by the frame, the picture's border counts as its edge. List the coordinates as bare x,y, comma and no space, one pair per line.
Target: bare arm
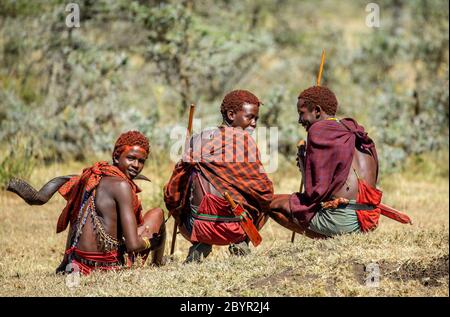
33,197
124,202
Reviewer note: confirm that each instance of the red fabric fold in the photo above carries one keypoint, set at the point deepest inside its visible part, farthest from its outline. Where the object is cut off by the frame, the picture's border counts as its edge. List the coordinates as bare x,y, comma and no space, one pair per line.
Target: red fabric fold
108,257
368,219
213,205
216,232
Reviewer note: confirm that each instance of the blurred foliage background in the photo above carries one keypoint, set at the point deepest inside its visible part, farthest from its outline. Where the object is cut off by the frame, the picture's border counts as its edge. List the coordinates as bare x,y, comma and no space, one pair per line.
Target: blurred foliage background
67,93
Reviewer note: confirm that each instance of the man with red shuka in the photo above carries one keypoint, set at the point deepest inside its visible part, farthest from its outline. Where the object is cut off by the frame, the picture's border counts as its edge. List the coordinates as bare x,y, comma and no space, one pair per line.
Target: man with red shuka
104,211
340,170
224,159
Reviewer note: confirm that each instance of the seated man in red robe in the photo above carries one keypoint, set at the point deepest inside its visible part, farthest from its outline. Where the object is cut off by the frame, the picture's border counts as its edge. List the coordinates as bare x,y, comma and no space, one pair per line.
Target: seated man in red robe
107,229
340,171
225,159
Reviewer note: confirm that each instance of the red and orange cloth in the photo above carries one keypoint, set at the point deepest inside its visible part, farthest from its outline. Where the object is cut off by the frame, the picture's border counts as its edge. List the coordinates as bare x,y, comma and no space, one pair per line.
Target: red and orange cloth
229,159
368,219
74,189
86,262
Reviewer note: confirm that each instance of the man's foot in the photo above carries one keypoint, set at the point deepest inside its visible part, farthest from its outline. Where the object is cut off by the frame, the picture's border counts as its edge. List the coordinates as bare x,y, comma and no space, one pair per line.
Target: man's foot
197,251
239,249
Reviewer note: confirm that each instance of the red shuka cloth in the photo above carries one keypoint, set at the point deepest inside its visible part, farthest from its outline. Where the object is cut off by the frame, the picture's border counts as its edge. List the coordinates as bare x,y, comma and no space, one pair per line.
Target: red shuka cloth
74,189
368,219
108,257
216,232
329,153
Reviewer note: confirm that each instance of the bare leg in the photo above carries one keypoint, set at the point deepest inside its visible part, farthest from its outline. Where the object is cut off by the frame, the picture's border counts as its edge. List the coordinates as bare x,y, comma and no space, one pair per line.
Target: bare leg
158,252
154,225
281,213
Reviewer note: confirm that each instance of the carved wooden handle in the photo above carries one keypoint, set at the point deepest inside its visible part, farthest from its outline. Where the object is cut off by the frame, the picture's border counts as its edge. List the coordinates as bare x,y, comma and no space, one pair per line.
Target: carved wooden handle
319,77
191,118
229,199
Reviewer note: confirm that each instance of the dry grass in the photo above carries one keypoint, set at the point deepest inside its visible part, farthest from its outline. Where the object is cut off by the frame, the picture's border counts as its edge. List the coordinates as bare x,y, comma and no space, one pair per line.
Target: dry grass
413,260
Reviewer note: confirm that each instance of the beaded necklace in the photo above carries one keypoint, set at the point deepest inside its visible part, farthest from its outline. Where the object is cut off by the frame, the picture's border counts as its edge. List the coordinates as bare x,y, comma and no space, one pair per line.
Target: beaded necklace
105,241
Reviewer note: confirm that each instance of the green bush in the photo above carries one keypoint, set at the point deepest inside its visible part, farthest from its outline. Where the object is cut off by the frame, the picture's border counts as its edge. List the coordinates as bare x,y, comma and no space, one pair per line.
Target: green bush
139,64
17,160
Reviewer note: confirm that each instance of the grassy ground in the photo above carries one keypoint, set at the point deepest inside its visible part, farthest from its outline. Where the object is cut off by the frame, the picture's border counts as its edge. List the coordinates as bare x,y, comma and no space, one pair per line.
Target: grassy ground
412,260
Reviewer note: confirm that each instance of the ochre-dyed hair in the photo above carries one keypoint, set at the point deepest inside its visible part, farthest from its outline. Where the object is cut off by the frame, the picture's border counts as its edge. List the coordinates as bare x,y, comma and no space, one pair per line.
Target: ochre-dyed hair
131,138
235,99
322,96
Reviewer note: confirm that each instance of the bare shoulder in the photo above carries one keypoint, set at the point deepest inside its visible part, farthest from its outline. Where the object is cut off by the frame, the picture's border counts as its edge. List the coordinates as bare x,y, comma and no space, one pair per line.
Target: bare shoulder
115,185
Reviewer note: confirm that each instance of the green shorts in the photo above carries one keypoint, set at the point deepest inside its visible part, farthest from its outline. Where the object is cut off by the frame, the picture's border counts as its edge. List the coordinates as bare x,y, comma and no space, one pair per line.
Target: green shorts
332,222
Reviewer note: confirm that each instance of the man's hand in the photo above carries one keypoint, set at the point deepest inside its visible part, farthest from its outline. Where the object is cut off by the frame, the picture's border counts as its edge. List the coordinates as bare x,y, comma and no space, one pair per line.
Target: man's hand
146,232
301,150
297,159
335,203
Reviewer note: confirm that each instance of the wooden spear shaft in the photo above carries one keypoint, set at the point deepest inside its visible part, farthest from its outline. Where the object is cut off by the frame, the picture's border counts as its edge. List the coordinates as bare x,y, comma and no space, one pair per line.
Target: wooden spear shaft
189,132
300,145
319,76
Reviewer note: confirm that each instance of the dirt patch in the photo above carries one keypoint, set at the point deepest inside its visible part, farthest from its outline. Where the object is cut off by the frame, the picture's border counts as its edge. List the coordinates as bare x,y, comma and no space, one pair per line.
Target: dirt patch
426,273
274,280
288,274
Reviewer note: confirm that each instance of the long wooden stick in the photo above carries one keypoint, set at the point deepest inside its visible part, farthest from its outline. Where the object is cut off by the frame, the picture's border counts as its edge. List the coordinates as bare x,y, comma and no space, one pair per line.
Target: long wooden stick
191,119
319,77
189,132
300,144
